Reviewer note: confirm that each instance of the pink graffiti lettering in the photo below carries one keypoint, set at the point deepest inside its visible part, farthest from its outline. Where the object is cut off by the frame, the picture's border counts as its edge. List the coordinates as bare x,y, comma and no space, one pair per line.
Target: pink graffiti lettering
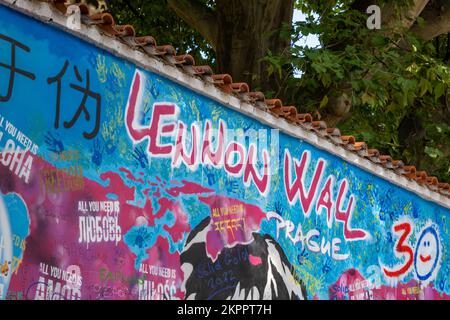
297,187
296,191
232,155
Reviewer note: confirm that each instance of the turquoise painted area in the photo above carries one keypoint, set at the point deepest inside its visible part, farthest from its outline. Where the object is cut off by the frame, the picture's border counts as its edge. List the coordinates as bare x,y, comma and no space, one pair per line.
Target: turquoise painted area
16,220
139,240
19,220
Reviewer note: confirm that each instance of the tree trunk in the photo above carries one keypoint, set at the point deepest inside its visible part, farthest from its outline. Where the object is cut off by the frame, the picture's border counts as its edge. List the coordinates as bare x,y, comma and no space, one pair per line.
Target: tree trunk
242,32
248,31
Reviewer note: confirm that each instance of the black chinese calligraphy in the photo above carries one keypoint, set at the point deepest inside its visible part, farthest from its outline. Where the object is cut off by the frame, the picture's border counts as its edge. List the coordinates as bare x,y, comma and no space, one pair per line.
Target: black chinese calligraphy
82,108
12,68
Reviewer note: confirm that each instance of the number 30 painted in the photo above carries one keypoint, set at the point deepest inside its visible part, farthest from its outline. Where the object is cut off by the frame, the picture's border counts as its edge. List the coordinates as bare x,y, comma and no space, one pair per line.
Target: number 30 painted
402,248
426,257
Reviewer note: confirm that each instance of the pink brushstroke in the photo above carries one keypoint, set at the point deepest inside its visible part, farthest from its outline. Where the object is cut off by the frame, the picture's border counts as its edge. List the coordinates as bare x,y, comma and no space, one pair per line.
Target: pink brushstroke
188,188
255,261
250,219
130,175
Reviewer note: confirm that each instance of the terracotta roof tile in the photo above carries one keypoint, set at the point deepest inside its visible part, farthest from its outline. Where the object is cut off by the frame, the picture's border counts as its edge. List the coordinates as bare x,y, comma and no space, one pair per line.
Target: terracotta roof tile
240,87
203,70
223,81
357,146
144,41
274,103
444,188
319,125
334,134
409,172
348,140
304,118
385,159
421,177
126,33
185,60
397,164
373,155
432,181
61,5
291,114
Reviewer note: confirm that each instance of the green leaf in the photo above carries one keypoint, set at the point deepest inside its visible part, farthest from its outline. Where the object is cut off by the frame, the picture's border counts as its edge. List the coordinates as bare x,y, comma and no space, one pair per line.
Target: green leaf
379,41
326,79
421,22
368,99
324,102
433,152
425,86
439,90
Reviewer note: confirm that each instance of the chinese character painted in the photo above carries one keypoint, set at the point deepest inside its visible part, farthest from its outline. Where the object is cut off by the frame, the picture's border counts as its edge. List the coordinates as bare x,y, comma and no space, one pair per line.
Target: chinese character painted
12,66
82,108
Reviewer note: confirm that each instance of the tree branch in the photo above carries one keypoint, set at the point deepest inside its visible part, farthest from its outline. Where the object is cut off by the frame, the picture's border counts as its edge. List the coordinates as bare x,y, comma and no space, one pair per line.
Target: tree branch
199,17
437,20
392,20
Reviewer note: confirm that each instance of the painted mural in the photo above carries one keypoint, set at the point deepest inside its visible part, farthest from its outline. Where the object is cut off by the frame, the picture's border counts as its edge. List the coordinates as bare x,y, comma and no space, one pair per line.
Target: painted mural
116,183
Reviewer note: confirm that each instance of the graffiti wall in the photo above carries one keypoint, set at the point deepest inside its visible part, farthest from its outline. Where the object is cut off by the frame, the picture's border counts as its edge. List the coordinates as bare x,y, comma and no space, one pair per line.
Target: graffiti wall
116,183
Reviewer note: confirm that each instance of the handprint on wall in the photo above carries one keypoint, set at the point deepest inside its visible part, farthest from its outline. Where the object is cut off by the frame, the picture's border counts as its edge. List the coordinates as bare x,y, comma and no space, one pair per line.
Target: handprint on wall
140,156
97,153
53,143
